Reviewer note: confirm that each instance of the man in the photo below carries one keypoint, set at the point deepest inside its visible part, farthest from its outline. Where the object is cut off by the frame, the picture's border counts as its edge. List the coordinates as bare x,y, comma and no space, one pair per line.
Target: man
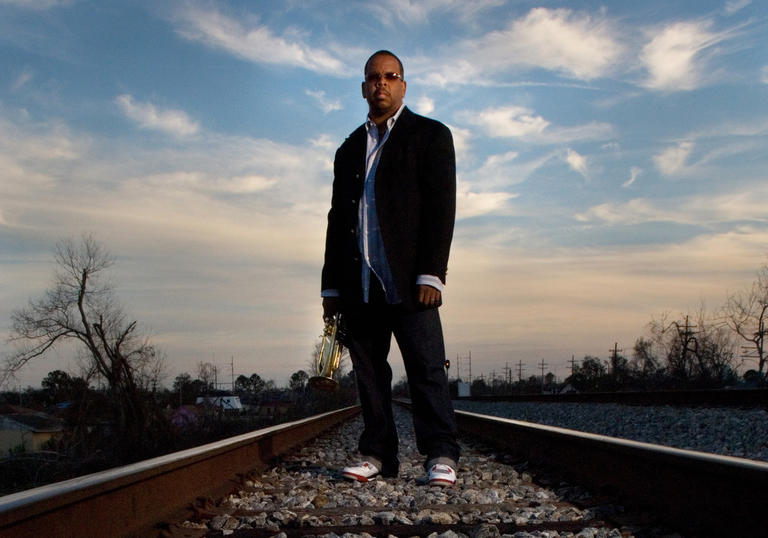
389,234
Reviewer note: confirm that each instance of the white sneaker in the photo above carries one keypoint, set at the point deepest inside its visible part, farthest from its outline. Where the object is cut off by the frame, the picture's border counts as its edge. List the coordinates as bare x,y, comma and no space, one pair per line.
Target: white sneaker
441,475
361,472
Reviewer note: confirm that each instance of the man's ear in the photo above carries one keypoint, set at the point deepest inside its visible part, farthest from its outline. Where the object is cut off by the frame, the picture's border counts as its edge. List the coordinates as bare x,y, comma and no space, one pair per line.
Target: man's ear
362,89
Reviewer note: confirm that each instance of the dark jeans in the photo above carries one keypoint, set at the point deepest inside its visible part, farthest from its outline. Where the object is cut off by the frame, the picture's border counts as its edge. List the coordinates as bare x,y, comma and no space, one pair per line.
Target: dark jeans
369,329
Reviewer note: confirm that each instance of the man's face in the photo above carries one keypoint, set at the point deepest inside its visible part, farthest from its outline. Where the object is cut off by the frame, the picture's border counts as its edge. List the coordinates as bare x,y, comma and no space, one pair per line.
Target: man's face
383,93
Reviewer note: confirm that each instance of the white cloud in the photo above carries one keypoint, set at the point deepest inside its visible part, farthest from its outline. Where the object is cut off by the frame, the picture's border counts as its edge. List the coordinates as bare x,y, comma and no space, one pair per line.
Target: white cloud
672,161
326,105
700,210
34,146
521,122
37,5
590,131
208,182
509,121
425,105
577,162
733,6
253,42
498,170
474,204
764,74
461,143
413,12
632,212
147,116
634,173
574,45
21,80
677,55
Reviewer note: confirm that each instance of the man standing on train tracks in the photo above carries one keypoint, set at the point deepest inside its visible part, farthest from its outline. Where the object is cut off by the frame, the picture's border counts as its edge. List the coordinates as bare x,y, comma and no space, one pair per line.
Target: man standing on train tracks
386,254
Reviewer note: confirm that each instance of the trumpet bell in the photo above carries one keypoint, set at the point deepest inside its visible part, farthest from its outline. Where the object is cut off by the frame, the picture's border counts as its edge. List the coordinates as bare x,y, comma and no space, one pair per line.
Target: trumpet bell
327,384
328,357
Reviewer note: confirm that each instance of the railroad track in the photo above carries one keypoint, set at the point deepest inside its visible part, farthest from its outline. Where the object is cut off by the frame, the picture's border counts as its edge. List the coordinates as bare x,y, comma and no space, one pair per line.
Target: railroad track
285,479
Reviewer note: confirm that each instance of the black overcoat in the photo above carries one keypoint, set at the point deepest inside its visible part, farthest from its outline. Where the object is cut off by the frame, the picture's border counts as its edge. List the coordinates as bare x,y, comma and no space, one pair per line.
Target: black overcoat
416,204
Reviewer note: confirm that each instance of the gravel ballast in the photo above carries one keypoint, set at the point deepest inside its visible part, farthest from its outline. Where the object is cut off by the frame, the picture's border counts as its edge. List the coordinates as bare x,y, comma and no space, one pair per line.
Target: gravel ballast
306,491
727,431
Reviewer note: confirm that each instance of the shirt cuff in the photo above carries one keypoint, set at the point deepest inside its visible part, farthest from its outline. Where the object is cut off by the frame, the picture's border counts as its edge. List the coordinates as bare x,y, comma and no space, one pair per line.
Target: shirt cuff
330,293
430,280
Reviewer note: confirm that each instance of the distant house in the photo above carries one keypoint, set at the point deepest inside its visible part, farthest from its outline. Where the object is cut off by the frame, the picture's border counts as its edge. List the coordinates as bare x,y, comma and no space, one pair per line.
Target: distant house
27,429
225,402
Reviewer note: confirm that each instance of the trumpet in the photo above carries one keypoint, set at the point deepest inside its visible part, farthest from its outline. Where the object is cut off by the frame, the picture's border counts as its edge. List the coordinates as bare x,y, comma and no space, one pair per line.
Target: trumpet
329,356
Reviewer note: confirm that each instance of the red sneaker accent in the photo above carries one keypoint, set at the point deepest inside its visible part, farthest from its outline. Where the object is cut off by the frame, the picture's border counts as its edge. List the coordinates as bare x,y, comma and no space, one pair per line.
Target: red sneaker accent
361,472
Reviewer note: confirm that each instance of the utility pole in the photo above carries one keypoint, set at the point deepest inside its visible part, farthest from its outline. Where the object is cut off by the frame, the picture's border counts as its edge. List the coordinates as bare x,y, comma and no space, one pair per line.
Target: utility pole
573,364
232,367
615,354
543,365
687,335
470,366
520,369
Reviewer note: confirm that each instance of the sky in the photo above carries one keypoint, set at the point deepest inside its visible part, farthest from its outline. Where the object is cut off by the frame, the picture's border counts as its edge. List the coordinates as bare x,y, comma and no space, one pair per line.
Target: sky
611,165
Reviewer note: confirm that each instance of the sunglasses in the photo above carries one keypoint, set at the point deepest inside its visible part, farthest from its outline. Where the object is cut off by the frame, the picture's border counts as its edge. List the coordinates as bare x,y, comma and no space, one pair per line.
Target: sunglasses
389,77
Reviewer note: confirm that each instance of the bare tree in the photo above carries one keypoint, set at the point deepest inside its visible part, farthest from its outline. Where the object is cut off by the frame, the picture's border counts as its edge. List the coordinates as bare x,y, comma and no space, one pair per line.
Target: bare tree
206,372
696,350
746,313
81,307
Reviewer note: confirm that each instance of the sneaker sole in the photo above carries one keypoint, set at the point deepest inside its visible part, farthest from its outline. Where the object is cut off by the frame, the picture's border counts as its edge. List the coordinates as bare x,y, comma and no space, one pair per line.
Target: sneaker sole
359,478
440,482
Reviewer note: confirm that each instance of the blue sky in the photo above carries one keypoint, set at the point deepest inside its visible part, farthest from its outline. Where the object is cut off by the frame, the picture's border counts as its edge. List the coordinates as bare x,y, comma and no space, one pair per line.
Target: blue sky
611,164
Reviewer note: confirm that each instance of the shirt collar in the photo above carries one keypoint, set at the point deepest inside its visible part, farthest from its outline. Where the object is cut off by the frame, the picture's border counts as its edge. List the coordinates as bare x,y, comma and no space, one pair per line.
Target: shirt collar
369,123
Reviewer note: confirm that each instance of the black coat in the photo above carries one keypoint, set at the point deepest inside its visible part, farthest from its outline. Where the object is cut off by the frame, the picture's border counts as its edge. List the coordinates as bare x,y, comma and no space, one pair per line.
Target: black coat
416,203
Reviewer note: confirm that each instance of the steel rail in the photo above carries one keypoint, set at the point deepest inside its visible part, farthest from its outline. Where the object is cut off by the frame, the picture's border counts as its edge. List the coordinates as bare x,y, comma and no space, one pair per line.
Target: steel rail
686,398
130,500
706,494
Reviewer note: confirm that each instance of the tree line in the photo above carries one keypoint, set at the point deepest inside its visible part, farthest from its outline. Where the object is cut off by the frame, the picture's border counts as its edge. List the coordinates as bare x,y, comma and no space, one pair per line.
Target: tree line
117,410
692,351
126,418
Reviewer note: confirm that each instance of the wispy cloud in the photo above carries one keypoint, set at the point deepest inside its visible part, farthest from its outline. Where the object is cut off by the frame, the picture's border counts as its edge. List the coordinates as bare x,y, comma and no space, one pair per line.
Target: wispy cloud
633,212
574,45
672,161
412,12
252,41
37,5
699,209
509,121
498,171
148,116
522,122
425,105
21,80
634,173
474,204
734,6
764,74
577,162
676,57
326,105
